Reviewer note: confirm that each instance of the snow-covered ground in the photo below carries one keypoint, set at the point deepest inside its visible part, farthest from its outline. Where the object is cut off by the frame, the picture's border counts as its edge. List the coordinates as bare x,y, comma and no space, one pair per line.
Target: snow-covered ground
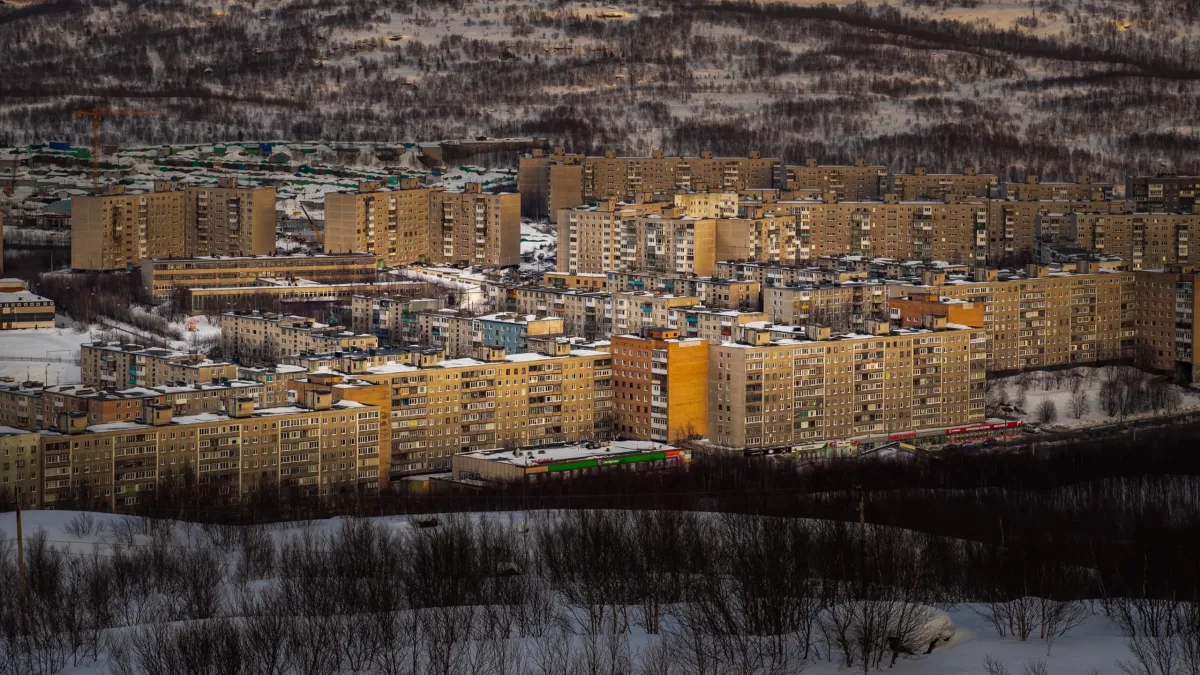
1064,389
21,349
1095,646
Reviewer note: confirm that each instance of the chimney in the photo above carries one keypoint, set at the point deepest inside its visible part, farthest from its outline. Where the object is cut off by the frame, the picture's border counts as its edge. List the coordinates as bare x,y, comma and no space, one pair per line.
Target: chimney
1034,270
239,407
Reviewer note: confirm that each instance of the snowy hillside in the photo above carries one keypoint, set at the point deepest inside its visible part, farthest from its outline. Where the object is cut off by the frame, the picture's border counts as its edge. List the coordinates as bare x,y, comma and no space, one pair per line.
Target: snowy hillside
496,593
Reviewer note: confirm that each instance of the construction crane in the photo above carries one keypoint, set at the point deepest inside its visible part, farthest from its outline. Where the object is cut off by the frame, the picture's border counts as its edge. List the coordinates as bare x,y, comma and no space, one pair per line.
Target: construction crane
97,114
317,234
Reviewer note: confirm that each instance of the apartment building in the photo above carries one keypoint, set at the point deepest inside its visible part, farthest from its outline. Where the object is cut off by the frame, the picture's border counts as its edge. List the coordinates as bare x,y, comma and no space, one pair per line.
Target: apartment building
475,227
533,182
119,229
389,316
841,306
669,244
660,385
21,309
118,365
707,204
316,447
161,277
1165,315
461,334
584,313
1033,189
920,184
711,324
275,381
584,281
789,393
393,224
589,237
1012,225
101,406
228,219
766,238
778,274
627,177
912,311
711,291
1038,318
266,337
20,404
634,310
454,331
441,407
511,331
1143,240
860,182
1158,194
20,468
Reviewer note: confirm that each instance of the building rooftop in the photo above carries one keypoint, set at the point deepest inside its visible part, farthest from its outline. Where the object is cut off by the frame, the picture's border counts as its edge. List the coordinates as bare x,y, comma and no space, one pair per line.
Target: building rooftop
568,452
21,296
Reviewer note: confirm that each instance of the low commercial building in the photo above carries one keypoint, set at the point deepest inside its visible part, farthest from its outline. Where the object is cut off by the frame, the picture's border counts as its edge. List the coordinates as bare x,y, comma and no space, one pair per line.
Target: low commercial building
22,309
269,291
161,277
563,462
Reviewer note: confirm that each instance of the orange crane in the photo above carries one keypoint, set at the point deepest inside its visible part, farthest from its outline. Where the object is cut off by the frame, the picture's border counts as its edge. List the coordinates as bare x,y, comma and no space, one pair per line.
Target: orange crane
97,114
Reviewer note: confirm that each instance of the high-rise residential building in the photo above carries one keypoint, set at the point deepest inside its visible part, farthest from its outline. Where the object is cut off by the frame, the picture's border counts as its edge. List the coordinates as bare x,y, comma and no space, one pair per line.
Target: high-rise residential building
860,182
634,310
589,237
1142,240
392,224
920,184
1039,318
20,468
119,229
161,278
574,179
714,204
769,393
475,227
533,182
1166,311
670,244
766,238
660,385
1163,194
228,220
1012,224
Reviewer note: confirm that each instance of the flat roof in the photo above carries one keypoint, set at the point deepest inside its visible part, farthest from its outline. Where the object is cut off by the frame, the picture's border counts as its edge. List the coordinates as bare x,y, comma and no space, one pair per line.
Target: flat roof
567,452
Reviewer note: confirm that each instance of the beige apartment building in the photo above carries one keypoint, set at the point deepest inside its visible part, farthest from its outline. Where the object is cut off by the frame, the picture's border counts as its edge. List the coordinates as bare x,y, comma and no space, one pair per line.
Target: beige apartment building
119,229
583,313
634,310
707,204
711,291
257,337
580,281
841,306
1143,240
920,184
475,227
161,278
766,238
1165,315
533,182
390,316
117,365
778,274
861,182
667,244
441,407
454,332
715,325
1039,318
589,237
392,224
793,392
1033,189
20,468
574,179
1013,224
318,447
228,219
